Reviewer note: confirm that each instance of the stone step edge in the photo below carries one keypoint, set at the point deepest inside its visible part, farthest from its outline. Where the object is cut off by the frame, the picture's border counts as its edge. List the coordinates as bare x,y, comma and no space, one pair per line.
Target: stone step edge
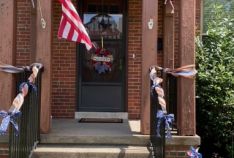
90,149
117,140
118,115
91,152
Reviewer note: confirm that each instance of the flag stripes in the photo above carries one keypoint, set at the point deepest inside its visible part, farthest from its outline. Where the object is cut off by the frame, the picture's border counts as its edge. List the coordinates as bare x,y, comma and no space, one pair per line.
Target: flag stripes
71,26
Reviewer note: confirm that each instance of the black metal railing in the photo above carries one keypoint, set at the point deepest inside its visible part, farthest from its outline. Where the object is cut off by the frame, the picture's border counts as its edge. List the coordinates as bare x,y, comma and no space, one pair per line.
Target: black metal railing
171,98
157,142
170,89
21,146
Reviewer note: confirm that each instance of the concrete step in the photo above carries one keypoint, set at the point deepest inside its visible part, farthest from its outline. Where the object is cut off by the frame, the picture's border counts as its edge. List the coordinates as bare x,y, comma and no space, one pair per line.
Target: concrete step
104,140
119,115
90,151
73,132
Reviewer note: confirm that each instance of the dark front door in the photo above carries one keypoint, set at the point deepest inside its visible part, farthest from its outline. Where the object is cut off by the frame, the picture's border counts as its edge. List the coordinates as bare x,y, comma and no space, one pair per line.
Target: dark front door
101,71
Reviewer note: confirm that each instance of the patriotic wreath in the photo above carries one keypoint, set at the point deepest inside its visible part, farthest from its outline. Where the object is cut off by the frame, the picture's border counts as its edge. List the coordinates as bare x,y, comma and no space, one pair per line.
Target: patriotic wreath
102,61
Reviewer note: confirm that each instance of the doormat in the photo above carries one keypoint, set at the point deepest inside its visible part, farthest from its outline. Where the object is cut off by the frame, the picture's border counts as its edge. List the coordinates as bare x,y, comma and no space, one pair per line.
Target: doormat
100,120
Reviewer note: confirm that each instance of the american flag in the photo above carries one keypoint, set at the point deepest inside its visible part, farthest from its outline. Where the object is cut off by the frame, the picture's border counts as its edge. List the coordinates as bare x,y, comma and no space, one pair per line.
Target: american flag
71,26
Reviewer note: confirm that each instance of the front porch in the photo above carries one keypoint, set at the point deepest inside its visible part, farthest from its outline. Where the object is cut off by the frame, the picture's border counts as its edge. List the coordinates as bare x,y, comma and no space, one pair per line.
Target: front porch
59,80
148,22
69,138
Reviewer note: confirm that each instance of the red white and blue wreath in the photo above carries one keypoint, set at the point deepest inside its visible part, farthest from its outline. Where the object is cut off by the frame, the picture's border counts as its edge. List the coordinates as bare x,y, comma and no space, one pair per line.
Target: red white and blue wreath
102,61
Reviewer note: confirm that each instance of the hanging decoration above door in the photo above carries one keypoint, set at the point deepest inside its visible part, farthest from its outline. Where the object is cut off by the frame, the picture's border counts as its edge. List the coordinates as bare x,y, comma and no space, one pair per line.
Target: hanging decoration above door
33,4
43,21
172,5
102,60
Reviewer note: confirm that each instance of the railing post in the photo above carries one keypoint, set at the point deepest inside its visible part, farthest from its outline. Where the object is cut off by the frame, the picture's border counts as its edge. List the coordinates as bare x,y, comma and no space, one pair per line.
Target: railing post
172,97
21,145
157,142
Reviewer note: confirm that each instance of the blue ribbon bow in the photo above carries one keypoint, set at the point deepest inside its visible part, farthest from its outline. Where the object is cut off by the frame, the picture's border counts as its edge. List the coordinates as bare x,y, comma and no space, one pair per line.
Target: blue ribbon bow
193,153
33,86
8,118
153,89
168,119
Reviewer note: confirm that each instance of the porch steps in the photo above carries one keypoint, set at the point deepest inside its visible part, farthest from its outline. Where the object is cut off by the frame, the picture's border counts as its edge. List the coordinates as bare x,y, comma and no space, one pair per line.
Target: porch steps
72,132
71,139
91,151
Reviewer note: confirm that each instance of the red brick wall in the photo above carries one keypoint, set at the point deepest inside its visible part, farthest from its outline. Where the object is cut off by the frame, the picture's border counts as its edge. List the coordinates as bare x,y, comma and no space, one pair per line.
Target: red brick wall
134,65
63,71
160,30
23,32
177,151
177,35
3,150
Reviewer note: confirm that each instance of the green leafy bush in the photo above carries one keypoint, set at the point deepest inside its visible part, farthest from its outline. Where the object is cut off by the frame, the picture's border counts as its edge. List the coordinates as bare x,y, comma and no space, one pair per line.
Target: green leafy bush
215,86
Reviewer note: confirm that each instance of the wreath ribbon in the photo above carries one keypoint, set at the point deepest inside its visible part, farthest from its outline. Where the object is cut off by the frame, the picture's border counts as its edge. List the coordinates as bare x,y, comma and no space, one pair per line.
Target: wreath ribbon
102,60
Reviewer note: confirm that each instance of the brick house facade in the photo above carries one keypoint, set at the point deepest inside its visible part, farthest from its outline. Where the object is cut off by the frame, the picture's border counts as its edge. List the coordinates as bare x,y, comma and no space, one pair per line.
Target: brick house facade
64,64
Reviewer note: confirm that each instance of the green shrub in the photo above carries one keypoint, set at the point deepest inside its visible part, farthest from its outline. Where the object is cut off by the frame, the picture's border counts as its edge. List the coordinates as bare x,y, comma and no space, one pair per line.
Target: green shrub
215,86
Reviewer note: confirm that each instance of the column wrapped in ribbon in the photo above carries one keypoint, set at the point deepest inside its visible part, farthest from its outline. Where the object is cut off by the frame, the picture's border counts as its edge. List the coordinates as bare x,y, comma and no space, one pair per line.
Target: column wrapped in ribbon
13,113
187,71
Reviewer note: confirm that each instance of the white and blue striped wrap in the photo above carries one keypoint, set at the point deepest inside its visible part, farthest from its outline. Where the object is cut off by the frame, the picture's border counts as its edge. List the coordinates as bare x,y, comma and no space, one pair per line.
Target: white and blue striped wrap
187,71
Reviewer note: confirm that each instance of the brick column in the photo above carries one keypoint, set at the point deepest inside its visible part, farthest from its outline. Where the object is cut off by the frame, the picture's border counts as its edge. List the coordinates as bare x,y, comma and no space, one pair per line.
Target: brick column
149,57
186,87
7,50
43,55
168,37
168,45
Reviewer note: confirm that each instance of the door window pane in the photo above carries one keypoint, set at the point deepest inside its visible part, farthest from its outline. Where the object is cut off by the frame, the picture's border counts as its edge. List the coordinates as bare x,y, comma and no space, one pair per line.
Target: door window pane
109,26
